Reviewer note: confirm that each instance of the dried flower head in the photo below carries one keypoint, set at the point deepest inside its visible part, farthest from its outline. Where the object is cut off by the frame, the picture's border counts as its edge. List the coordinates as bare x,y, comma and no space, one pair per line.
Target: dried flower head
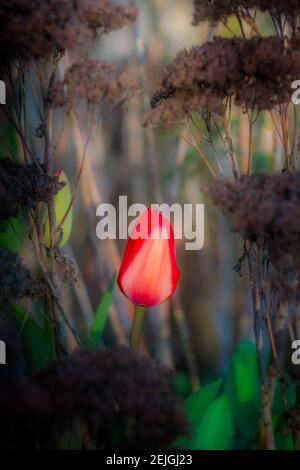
107,390
8,207
215,10
218,10
27,184
107,15
256,73
38,28
14,277
265,209
181,104
93,80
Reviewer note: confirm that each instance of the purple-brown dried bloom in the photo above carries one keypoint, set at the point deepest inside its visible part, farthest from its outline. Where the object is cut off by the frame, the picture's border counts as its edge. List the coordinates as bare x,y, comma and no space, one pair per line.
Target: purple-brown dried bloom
256,73
14,278
181,104
27,184
38,28
112,393
95,81
218,10
107,15
8,206
265,209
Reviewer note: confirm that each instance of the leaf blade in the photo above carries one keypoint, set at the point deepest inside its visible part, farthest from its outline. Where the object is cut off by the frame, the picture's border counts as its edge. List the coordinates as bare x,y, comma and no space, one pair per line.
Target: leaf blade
39,352
216,431
195,406
101,316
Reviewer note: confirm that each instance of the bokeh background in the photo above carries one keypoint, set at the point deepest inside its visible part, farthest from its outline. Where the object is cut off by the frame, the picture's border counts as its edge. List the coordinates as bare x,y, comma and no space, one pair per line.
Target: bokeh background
197,331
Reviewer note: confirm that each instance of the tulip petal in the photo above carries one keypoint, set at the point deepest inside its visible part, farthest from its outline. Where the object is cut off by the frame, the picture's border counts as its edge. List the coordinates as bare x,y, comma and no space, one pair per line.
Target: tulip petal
148,275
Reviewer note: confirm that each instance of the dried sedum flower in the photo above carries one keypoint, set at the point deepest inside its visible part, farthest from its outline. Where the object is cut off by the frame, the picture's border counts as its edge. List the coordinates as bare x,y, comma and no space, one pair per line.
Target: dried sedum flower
93,80
107,15
27,184
181,104
256,73
265,208
14,277
38,28
8,207
107,390
218,10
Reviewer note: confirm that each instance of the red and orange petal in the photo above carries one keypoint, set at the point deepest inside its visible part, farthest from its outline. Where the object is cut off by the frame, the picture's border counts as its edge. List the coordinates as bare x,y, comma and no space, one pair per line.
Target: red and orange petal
148,275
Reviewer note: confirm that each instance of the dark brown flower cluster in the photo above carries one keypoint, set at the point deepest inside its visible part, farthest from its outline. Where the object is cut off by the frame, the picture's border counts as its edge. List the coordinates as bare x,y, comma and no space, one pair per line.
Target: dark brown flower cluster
37,28
218,10
93,80
26,185
181,104
8,206
256,73
122,398
265,209
14,278
107,15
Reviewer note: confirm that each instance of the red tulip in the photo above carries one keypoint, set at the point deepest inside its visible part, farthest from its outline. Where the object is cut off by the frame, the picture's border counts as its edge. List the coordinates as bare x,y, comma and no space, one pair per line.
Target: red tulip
148,275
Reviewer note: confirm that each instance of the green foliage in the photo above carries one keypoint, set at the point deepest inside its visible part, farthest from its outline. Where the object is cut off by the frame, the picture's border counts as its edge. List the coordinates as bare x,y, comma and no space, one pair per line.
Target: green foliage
216,430
262,162
197,403
38,350
12,230
12,233
10,137
278,409
99,322
242,387
61,201
183,384
195,408
231,29
284,441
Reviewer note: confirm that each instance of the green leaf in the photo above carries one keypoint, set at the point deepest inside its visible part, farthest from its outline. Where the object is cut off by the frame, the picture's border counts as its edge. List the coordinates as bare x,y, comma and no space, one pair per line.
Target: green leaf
39,352
216,431
195,407
12,233
197,403
183,384
99,322
278,408
284,441
61,201
9,136
233,28
242,387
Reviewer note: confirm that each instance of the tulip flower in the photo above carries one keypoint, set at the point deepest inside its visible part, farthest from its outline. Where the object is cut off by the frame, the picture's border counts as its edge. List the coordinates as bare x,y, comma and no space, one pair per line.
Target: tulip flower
148,274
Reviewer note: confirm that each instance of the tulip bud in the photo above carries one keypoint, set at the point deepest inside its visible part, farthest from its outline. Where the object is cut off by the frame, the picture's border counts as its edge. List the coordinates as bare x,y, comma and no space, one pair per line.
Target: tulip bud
148,274
61,201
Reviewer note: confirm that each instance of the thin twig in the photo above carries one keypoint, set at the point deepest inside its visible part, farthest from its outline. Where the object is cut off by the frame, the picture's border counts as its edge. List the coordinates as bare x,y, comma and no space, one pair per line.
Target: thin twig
253,262
81,167
58,303
194,144
249,159
296,136
229,145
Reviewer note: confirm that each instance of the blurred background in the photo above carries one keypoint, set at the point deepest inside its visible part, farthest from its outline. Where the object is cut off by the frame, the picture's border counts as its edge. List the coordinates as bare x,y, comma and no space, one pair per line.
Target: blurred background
197,331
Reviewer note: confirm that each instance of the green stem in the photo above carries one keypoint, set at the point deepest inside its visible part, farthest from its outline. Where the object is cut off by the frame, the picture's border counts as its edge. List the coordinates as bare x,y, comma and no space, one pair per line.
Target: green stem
49,323
136,327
